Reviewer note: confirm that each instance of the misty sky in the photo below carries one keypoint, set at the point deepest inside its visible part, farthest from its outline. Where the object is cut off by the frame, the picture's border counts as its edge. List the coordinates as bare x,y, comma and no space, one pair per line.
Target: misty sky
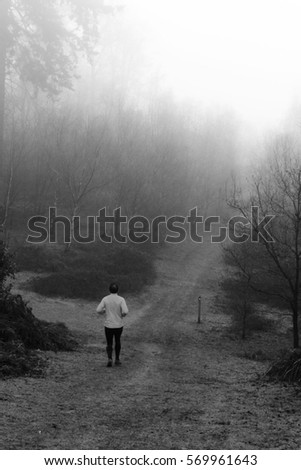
242,54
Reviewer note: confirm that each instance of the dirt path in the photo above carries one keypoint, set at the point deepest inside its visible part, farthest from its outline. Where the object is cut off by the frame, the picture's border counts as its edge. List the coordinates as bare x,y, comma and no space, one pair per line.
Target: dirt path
181,385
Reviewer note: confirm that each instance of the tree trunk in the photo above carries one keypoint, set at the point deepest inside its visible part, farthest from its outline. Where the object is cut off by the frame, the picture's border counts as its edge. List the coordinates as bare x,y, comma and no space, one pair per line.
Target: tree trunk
3,222
4,5
297,283
295,324
75,211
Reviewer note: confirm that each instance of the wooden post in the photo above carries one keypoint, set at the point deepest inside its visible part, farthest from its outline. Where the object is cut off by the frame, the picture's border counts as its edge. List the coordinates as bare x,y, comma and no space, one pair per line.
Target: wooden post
199,313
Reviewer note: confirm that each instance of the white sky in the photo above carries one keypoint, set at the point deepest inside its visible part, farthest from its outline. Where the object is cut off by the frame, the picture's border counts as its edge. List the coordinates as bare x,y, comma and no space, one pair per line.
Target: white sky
244,54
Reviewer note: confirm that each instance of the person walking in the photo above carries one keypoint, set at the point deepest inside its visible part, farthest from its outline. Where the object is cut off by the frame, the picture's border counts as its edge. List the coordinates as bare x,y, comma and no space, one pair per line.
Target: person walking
115,309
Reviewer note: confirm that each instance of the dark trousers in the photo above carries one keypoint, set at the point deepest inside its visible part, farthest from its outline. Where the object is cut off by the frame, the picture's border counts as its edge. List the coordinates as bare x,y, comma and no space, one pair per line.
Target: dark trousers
110,333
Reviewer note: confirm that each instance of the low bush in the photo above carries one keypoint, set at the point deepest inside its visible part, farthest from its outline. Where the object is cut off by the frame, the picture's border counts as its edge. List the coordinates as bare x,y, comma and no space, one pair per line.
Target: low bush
86,270
242,307
38,258
18,324
22,335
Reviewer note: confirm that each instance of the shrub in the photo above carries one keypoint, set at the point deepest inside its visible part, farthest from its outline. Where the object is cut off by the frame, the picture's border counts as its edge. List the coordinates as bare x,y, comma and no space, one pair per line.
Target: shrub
21,332
38,259
241,305
86,271
17,323
7,268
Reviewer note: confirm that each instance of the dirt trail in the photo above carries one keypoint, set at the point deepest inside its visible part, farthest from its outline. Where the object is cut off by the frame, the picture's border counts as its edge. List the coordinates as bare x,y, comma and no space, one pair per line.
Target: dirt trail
181,385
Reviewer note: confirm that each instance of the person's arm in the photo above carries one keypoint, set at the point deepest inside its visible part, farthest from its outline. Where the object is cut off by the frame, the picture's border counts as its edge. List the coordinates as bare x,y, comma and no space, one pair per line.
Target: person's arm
101,307
124,309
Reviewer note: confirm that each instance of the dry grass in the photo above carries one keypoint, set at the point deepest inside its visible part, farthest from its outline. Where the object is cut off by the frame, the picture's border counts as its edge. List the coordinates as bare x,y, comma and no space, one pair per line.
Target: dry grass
287,368
181,385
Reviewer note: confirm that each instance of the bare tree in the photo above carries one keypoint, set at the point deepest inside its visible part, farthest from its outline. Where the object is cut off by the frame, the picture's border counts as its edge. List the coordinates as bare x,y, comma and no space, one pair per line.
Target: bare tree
275,193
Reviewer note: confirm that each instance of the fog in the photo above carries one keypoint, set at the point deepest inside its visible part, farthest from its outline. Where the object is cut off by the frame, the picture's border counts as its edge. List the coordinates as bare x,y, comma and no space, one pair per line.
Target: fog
169,99
241,55
150,149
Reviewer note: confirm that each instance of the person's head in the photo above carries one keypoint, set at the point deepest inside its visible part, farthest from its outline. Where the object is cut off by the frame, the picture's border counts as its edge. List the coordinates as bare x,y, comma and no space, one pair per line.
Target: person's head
113,288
